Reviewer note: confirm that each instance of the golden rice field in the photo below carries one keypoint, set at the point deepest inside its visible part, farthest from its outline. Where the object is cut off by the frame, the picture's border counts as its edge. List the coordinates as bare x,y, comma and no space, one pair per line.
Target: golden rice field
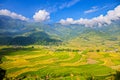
58,63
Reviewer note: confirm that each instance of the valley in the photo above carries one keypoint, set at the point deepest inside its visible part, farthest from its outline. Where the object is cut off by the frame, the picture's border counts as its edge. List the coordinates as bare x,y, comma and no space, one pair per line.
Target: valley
63,62
36,51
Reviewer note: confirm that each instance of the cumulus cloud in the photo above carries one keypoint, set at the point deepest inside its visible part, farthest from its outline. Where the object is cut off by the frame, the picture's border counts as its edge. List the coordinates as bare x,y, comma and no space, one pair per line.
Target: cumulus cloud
13,15
101,20
68,4
41,15
67,21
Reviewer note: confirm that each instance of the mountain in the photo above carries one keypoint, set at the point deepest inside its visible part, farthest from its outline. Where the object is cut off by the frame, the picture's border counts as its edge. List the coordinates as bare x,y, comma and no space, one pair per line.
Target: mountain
14,31
10,27
18,32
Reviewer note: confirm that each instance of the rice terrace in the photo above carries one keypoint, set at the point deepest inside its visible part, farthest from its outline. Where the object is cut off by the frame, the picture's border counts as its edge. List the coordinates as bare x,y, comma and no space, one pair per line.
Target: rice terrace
59,40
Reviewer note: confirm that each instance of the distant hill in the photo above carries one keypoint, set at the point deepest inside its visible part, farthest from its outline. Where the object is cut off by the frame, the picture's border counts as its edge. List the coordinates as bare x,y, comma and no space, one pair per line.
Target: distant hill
13,31
18,32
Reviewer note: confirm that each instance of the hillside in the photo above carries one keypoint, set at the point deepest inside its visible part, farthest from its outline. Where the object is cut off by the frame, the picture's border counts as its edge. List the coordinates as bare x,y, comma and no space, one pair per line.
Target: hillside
17,32
12,28
40,51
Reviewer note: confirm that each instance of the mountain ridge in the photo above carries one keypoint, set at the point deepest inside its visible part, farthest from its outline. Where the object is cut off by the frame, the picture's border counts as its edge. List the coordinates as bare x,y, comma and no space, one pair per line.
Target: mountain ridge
13,28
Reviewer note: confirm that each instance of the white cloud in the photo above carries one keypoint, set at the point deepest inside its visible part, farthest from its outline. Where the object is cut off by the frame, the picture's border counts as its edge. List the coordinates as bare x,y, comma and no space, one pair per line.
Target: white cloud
12,14
93,9
67,21
111,15
96,8
41,15
68,4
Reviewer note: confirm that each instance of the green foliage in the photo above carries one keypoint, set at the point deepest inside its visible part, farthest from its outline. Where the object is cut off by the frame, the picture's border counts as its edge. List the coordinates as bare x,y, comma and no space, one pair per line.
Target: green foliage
85,52
117,75
5,40
22,41
106,55
97,50
68,50
117,62
35,38
3,59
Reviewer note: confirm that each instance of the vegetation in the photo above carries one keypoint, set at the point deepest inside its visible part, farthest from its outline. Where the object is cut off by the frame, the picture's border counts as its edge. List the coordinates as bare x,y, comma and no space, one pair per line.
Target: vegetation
54,62
35,51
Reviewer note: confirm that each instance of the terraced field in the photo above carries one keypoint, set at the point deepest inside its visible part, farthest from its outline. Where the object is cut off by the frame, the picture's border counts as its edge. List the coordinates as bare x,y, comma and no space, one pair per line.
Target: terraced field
55,63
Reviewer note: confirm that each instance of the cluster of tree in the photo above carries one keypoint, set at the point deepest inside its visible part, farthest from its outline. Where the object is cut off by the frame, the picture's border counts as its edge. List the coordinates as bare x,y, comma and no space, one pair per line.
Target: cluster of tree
21,41
5,40
68,50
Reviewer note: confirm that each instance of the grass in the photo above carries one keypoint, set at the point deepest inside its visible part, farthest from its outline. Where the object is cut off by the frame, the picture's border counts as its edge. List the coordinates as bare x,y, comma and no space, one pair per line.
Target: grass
57,63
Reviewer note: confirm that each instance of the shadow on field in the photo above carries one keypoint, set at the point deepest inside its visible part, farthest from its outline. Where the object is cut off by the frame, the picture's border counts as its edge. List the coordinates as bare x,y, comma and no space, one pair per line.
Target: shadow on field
117,75
9,51
2,74
12,51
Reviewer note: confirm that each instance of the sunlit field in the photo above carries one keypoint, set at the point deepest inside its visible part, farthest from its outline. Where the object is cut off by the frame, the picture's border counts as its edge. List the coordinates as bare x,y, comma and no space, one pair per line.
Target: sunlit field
58,63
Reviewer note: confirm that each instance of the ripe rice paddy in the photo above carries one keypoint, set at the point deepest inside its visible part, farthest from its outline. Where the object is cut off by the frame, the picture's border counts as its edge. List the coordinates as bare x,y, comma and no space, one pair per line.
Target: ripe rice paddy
53,63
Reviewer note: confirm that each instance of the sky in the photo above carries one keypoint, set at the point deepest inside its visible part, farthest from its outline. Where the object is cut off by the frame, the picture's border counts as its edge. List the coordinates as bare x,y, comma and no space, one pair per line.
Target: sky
57,10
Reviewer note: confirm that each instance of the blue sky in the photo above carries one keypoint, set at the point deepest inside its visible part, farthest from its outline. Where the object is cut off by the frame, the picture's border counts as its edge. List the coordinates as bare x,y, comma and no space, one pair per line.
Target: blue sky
60,9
